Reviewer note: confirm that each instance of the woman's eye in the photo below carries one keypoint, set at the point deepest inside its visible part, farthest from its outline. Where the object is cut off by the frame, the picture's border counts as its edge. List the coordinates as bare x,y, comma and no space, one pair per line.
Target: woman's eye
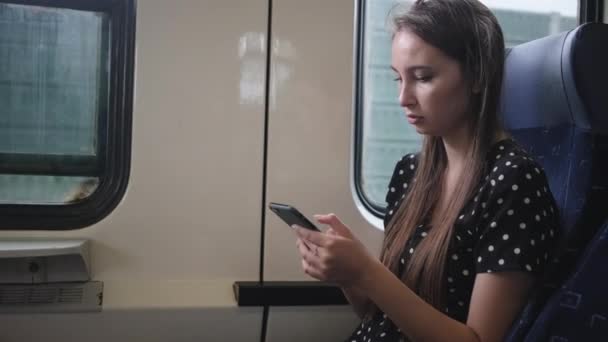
423,79
397,79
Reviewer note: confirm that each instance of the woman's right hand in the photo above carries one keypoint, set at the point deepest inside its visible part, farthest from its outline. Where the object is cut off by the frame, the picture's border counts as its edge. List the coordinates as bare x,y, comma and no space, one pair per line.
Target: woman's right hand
354,296
303,247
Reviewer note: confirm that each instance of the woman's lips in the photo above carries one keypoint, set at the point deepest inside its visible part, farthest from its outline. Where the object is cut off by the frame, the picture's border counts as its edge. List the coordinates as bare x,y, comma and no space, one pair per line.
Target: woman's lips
414,119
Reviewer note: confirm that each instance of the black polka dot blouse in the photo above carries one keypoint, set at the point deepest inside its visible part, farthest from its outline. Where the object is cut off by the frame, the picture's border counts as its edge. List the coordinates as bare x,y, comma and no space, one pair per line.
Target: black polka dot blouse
510,224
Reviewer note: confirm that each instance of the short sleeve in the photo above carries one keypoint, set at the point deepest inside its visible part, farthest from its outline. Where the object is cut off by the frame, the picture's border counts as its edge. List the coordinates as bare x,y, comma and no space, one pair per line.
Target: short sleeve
522,222
399,184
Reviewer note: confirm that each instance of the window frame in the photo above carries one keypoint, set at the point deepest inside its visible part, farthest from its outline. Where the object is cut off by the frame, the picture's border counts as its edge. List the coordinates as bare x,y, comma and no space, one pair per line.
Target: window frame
589,11
114,134
359,104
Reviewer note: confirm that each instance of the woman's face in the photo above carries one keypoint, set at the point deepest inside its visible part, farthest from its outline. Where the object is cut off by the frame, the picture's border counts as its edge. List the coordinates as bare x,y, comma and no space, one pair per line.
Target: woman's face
432,88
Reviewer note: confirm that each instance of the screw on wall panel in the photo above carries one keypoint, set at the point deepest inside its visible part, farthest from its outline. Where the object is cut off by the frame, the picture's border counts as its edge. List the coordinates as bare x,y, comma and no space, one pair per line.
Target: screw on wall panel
33,267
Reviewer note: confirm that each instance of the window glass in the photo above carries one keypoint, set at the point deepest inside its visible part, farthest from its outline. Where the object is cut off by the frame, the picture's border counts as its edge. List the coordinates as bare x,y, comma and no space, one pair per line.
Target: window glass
385,135
54,66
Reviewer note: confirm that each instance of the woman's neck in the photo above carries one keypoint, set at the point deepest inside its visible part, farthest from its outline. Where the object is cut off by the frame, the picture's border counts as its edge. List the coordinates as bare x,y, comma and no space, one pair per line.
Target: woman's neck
457,146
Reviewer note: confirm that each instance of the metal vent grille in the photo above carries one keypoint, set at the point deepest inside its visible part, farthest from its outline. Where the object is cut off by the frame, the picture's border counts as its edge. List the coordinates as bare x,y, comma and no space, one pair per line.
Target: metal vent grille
23,295
13,296
68,297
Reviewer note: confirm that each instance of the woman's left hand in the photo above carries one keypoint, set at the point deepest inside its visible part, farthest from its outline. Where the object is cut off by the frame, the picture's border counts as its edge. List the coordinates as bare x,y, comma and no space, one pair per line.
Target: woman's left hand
335,255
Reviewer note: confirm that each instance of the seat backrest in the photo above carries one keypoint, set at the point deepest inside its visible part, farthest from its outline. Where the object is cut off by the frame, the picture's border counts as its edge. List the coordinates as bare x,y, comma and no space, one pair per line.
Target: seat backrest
555,105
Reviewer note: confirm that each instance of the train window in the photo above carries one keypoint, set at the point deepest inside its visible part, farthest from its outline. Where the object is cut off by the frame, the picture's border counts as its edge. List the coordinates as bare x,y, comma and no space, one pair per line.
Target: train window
66,99
383,135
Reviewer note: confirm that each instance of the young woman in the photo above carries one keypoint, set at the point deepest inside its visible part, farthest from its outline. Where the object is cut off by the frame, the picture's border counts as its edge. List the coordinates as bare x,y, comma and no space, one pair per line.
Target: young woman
470,222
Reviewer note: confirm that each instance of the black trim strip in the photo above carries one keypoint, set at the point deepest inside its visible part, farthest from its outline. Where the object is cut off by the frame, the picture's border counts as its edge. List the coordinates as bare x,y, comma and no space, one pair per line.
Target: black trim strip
264,333
288,293
265,152
265,313
49,164
81,5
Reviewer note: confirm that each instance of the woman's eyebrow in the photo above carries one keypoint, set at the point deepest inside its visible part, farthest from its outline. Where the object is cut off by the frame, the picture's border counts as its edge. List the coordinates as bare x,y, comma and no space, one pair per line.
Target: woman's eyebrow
414,68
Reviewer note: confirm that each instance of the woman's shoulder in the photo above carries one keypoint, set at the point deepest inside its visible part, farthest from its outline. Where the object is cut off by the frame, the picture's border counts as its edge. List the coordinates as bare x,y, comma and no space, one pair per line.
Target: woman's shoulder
509,160
510,169
405,167
402,176
409,157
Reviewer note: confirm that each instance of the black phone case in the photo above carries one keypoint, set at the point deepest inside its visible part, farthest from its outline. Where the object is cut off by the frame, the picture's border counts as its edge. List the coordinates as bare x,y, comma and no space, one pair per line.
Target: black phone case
291,216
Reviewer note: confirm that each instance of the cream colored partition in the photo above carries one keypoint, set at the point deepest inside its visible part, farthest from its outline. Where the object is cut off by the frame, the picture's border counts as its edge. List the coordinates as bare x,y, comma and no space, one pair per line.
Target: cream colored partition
310,125
309,147
189,225
304,324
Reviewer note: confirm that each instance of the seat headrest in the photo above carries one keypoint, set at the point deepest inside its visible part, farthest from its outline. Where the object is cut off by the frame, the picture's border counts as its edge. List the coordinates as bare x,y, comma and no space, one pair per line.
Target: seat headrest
558,80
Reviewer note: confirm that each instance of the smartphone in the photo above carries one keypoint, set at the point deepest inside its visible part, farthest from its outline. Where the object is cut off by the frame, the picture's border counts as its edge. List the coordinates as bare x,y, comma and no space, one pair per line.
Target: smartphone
291,216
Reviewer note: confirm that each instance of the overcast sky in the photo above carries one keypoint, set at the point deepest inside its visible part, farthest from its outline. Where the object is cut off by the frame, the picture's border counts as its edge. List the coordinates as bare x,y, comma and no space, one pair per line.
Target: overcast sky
564,7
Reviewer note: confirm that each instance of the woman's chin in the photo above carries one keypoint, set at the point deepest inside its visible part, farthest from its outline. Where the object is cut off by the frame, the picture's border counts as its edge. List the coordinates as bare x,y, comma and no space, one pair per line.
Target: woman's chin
422,131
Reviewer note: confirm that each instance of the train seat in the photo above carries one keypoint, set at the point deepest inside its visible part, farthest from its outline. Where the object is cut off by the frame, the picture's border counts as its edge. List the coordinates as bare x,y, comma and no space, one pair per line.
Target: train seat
555,105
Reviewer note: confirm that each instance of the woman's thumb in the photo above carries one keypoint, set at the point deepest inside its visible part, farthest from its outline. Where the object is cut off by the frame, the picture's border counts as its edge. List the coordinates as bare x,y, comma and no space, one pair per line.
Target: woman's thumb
335,223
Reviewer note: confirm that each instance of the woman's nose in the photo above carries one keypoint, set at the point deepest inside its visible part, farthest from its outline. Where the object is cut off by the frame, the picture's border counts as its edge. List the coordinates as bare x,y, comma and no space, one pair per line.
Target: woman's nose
406,96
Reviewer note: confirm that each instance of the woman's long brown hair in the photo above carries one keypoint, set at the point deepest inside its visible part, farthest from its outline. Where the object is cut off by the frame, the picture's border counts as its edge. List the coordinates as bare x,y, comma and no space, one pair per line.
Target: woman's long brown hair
468,32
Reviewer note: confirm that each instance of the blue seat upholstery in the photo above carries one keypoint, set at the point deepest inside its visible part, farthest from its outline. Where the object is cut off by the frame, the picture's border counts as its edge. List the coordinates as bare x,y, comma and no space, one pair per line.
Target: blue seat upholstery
555,104
578,310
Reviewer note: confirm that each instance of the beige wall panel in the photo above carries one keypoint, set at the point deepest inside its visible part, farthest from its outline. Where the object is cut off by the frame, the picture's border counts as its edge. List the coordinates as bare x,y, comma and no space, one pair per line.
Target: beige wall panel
310,127
305,324
173,325
189,225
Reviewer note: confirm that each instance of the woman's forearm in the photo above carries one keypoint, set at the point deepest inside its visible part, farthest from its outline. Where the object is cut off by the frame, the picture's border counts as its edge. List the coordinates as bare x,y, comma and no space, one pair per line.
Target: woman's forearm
357,300
416,318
